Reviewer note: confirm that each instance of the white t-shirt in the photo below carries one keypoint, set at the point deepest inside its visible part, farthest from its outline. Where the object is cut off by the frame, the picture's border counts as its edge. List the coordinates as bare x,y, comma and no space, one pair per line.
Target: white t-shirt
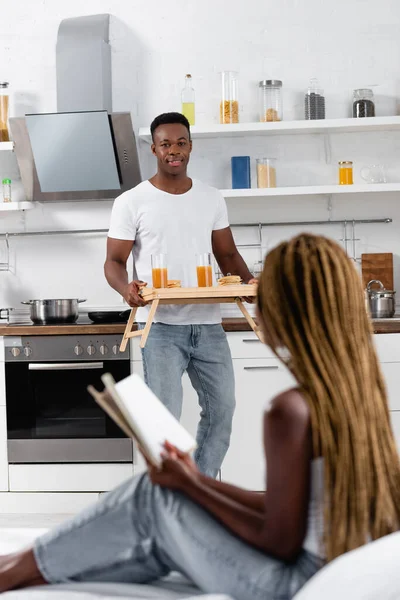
179,225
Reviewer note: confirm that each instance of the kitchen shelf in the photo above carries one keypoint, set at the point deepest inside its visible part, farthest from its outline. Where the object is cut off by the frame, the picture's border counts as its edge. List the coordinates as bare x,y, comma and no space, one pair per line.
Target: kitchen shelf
312,190
288,128
6,146
14,206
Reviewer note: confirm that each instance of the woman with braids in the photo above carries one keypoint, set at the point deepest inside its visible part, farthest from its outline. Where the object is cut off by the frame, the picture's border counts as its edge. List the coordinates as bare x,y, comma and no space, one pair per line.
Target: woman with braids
333,468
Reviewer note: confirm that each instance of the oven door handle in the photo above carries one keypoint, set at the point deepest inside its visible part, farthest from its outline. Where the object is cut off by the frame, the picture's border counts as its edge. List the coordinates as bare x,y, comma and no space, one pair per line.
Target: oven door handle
64,366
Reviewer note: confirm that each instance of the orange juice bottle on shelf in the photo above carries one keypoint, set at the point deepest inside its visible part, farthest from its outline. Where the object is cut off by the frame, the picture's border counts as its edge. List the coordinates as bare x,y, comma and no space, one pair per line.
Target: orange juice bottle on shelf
204,276
160,278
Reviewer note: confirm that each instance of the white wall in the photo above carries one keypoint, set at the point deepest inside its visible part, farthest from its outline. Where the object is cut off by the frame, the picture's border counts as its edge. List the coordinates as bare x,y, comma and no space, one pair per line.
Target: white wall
346,44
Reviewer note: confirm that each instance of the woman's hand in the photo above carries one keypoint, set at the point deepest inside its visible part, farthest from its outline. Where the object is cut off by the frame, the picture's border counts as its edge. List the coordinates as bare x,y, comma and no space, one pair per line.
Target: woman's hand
176,471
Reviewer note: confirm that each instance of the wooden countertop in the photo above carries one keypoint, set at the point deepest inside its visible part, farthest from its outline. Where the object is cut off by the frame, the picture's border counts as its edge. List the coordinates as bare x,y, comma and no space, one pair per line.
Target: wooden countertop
232,324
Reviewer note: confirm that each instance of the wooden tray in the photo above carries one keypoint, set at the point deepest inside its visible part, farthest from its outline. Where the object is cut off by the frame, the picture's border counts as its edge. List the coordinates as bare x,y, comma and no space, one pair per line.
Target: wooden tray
220,294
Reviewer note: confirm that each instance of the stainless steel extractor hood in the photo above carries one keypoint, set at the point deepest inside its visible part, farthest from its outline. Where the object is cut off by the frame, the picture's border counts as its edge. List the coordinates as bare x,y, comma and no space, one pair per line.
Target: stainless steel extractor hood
83,151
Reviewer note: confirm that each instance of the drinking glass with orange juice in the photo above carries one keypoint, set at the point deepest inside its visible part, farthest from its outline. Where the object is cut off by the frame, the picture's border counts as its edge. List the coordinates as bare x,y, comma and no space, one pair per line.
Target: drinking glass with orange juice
159,270
204,270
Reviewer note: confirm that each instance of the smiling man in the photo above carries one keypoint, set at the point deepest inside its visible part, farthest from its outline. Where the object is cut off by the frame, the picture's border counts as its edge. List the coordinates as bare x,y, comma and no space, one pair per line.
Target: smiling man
181,217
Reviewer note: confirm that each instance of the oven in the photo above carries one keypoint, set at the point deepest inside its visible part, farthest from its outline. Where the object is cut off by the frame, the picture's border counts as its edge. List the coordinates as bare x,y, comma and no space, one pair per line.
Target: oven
51,417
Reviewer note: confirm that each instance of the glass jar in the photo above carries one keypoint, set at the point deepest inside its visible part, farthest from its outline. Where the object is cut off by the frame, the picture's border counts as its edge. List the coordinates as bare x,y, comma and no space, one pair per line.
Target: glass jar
6,190
187,97
266,172
314,102
4,102
345,172
363,103
229,107
270,100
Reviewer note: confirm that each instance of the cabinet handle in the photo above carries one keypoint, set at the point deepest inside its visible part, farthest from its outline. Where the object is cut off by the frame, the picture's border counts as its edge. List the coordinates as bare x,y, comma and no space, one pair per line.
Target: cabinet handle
261,368
251,341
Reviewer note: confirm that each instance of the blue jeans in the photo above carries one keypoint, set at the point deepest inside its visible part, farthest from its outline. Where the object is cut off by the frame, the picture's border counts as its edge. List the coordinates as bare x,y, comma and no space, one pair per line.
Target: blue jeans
139,533
202,351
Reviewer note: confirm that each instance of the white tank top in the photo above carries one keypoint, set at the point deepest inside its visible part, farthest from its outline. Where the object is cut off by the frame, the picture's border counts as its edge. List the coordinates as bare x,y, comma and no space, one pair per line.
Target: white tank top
313,541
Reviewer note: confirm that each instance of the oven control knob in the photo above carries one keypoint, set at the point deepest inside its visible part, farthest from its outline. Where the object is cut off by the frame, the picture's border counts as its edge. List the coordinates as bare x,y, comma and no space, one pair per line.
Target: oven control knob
91,350
115,348
27,351
15,351
103,349
78,350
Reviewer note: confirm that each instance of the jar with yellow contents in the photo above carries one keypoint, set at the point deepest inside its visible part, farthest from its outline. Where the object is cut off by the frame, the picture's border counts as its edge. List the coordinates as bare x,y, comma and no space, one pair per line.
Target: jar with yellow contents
345,172
229,106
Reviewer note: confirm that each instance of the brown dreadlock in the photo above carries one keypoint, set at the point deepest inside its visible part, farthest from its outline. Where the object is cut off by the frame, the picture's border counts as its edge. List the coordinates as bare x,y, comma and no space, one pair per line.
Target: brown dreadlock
312,302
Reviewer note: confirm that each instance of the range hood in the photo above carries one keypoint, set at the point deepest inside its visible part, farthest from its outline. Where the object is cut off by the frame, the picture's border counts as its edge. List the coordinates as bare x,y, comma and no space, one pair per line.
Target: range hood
83,151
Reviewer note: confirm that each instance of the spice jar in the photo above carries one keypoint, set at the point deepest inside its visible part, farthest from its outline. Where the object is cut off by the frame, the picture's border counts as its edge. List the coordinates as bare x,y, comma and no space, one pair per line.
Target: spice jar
229,107
6,190
266,172
4,101
345,172
363,103
270,100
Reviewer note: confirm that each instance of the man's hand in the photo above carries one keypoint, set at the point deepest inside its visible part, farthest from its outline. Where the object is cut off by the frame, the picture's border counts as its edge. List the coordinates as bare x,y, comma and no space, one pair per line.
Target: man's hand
176,471
132,295
252,281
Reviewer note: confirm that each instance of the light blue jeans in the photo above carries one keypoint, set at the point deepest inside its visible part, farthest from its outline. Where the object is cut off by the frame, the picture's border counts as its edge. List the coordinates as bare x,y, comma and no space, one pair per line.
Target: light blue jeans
139,533
202,351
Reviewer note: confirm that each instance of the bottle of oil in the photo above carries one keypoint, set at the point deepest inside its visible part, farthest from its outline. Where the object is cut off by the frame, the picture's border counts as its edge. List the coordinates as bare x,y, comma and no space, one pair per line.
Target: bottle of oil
188,100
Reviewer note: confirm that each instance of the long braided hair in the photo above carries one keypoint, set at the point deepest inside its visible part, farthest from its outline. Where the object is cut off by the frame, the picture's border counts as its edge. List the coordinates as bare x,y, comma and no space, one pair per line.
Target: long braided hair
311,300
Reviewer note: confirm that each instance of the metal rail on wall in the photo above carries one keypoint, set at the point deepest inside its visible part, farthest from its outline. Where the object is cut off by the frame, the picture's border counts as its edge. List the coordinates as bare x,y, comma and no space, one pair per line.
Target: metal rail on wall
344,222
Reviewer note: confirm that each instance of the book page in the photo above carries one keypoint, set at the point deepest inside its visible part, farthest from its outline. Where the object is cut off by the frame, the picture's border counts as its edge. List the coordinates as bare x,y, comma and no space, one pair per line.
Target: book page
150,420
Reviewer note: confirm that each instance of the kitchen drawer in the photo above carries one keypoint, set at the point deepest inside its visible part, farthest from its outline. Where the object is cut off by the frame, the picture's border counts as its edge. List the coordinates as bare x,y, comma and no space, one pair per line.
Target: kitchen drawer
245,344
46,503
388,347
68,477
391,374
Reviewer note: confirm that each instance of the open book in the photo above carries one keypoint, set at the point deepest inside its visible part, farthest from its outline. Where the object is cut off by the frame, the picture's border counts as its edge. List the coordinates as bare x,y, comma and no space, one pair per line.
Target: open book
142,416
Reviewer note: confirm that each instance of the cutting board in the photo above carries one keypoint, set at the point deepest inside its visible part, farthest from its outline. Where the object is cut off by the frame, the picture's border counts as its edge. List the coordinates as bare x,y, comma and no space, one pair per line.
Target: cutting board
377,266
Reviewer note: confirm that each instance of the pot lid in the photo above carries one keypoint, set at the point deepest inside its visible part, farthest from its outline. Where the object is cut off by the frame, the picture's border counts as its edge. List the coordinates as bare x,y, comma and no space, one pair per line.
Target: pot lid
382,292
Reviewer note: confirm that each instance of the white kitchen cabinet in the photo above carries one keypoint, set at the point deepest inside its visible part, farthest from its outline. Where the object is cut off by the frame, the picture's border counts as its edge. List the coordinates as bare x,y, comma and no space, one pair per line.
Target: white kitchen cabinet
395,419
391,374
46,503
388,347
258,380
73,477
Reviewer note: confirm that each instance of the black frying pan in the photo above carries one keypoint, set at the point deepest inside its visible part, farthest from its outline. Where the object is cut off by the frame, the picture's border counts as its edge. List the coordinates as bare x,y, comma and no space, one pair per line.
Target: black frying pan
109,316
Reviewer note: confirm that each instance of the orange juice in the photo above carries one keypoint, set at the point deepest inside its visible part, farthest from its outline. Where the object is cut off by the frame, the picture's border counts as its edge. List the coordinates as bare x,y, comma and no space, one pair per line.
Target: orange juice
345,173
204,276
160,278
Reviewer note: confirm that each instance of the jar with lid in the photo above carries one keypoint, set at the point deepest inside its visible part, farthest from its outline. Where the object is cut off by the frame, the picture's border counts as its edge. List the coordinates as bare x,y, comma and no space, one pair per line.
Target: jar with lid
314,102
270,100
4,101
363,103
229,106
345,172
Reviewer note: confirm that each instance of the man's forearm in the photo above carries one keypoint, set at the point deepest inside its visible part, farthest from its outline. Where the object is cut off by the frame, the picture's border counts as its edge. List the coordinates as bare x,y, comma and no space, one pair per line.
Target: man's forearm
235,265
116,275
253,500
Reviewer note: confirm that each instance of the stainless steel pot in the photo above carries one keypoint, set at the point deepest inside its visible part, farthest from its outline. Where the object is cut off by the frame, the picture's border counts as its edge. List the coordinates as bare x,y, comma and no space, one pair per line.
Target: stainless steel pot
382,304
48,312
